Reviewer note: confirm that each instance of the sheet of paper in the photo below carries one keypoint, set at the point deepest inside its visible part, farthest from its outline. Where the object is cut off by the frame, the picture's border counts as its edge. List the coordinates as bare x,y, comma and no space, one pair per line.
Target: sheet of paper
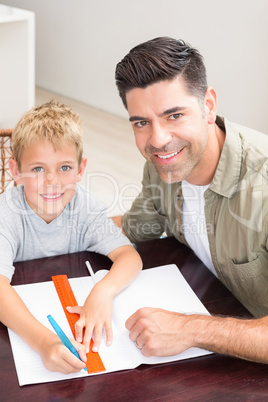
162,287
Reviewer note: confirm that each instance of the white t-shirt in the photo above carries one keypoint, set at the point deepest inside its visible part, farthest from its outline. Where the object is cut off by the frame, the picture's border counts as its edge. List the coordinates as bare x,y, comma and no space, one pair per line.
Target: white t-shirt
194,222
82,226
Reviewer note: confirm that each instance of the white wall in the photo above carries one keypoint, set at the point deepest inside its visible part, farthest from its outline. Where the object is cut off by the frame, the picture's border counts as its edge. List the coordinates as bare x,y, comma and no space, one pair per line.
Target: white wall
17,64
79,43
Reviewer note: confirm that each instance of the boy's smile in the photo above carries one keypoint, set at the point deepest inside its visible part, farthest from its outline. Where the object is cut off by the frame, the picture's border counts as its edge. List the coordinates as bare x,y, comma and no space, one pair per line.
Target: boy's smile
51,198
49,177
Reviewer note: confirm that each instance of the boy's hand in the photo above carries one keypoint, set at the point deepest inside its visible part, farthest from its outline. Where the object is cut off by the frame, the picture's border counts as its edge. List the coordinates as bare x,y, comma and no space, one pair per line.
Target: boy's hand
95,315
56,357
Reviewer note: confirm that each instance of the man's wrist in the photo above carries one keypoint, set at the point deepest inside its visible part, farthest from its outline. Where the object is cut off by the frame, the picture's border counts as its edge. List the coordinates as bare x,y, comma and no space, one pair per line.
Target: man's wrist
200,330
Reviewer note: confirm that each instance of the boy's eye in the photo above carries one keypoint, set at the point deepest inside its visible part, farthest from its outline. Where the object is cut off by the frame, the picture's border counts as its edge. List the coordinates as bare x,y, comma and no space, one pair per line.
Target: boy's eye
65,168
38,169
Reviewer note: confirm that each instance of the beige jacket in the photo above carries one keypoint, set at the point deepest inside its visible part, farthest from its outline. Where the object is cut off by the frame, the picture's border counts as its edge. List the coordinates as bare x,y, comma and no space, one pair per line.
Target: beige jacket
236,208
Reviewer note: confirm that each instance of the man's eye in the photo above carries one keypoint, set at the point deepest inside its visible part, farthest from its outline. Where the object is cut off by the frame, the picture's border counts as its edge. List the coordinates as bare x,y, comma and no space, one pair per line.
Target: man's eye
175,116
65,168
141,123
38,169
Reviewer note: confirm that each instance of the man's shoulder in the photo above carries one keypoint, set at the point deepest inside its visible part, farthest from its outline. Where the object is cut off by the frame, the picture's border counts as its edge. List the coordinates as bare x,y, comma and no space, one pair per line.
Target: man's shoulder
254,145
251,145
251,138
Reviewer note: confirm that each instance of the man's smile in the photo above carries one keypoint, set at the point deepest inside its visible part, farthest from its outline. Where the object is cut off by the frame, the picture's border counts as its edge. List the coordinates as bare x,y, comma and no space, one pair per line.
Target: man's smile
168,158
169,155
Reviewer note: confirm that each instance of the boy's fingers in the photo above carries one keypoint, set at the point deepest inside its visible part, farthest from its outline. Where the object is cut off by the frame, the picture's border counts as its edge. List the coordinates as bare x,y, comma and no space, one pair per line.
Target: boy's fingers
87,337
109,335
74,309
79,327
71,360
97,338
80,349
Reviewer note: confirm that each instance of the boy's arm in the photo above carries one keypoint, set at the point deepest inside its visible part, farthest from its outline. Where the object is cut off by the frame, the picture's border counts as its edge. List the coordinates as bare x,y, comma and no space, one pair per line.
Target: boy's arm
16,316
127,264
97,310
118,221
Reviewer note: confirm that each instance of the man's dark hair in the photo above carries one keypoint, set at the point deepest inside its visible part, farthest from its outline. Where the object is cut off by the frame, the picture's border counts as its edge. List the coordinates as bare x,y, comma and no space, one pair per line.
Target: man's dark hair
161,59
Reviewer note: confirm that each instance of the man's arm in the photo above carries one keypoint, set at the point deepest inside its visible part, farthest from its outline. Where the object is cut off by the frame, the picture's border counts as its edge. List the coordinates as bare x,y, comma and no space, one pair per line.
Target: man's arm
164,333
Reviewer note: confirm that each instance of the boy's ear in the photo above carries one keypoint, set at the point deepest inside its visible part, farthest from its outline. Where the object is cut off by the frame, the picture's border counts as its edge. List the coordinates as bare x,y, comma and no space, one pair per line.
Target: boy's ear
13,166
81,169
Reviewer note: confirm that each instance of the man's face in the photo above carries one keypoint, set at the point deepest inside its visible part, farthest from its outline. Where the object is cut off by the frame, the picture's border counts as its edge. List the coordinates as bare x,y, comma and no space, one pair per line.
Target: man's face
171,129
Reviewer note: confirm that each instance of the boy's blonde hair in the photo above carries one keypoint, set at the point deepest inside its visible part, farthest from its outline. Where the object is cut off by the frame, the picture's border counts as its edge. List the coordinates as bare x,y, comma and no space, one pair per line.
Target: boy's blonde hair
53,122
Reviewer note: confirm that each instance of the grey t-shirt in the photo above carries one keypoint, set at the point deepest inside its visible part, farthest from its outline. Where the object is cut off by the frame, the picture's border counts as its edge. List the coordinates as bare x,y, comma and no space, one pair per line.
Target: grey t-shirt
83,225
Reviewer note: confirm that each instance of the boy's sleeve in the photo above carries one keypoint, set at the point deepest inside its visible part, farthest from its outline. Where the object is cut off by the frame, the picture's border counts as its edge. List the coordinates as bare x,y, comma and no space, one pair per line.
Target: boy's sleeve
6,261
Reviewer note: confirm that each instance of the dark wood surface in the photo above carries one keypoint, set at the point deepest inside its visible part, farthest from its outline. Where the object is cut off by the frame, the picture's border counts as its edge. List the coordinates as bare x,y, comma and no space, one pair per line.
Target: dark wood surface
208,378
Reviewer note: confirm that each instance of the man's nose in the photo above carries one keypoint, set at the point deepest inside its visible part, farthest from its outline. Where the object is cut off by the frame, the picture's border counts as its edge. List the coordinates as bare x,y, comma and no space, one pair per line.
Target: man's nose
160,136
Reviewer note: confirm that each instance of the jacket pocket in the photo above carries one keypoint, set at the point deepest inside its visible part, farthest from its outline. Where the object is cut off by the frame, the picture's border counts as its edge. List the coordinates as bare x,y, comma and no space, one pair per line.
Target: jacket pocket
249,283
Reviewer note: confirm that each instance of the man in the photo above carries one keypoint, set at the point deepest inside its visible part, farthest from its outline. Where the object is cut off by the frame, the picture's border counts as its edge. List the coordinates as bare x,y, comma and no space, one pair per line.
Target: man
205,183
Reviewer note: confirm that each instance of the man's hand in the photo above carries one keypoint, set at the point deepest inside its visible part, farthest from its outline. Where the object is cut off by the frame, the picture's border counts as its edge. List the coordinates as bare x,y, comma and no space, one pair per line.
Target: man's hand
159,332
165,333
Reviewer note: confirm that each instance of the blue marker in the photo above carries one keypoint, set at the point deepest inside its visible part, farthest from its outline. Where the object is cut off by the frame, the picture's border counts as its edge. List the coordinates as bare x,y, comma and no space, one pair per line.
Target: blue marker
66,342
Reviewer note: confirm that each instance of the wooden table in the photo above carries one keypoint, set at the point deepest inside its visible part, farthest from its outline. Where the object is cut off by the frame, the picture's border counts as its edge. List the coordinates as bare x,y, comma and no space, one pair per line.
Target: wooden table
206,378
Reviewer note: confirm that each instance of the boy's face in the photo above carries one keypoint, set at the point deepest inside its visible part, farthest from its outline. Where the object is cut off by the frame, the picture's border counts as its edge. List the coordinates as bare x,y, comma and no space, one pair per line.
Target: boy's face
49,177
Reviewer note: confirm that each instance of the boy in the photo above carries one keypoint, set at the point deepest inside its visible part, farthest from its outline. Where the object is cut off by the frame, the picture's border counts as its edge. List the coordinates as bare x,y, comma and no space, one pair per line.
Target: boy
48,215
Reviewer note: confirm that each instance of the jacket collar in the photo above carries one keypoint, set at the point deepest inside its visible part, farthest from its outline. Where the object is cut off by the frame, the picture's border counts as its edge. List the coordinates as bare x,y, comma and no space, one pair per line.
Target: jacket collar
227,175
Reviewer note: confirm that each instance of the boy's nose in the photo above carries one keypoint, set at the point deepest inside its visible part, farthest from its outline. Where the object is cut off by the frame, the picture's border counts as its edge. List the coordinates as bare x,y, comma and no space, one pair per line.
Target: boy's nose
51,178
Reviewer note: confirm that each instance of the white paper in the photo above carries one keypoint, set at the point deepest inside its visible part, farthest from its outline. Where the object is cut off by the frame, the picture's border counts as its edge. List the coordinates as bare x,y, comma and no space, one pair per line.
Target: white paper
162,287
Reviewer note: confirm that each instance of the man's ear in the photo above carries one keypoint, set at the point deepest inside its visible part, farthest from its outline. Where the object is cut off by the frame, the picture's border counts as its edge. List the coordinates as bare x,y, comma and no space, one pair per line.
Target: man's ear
81,169
210,102
13,166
